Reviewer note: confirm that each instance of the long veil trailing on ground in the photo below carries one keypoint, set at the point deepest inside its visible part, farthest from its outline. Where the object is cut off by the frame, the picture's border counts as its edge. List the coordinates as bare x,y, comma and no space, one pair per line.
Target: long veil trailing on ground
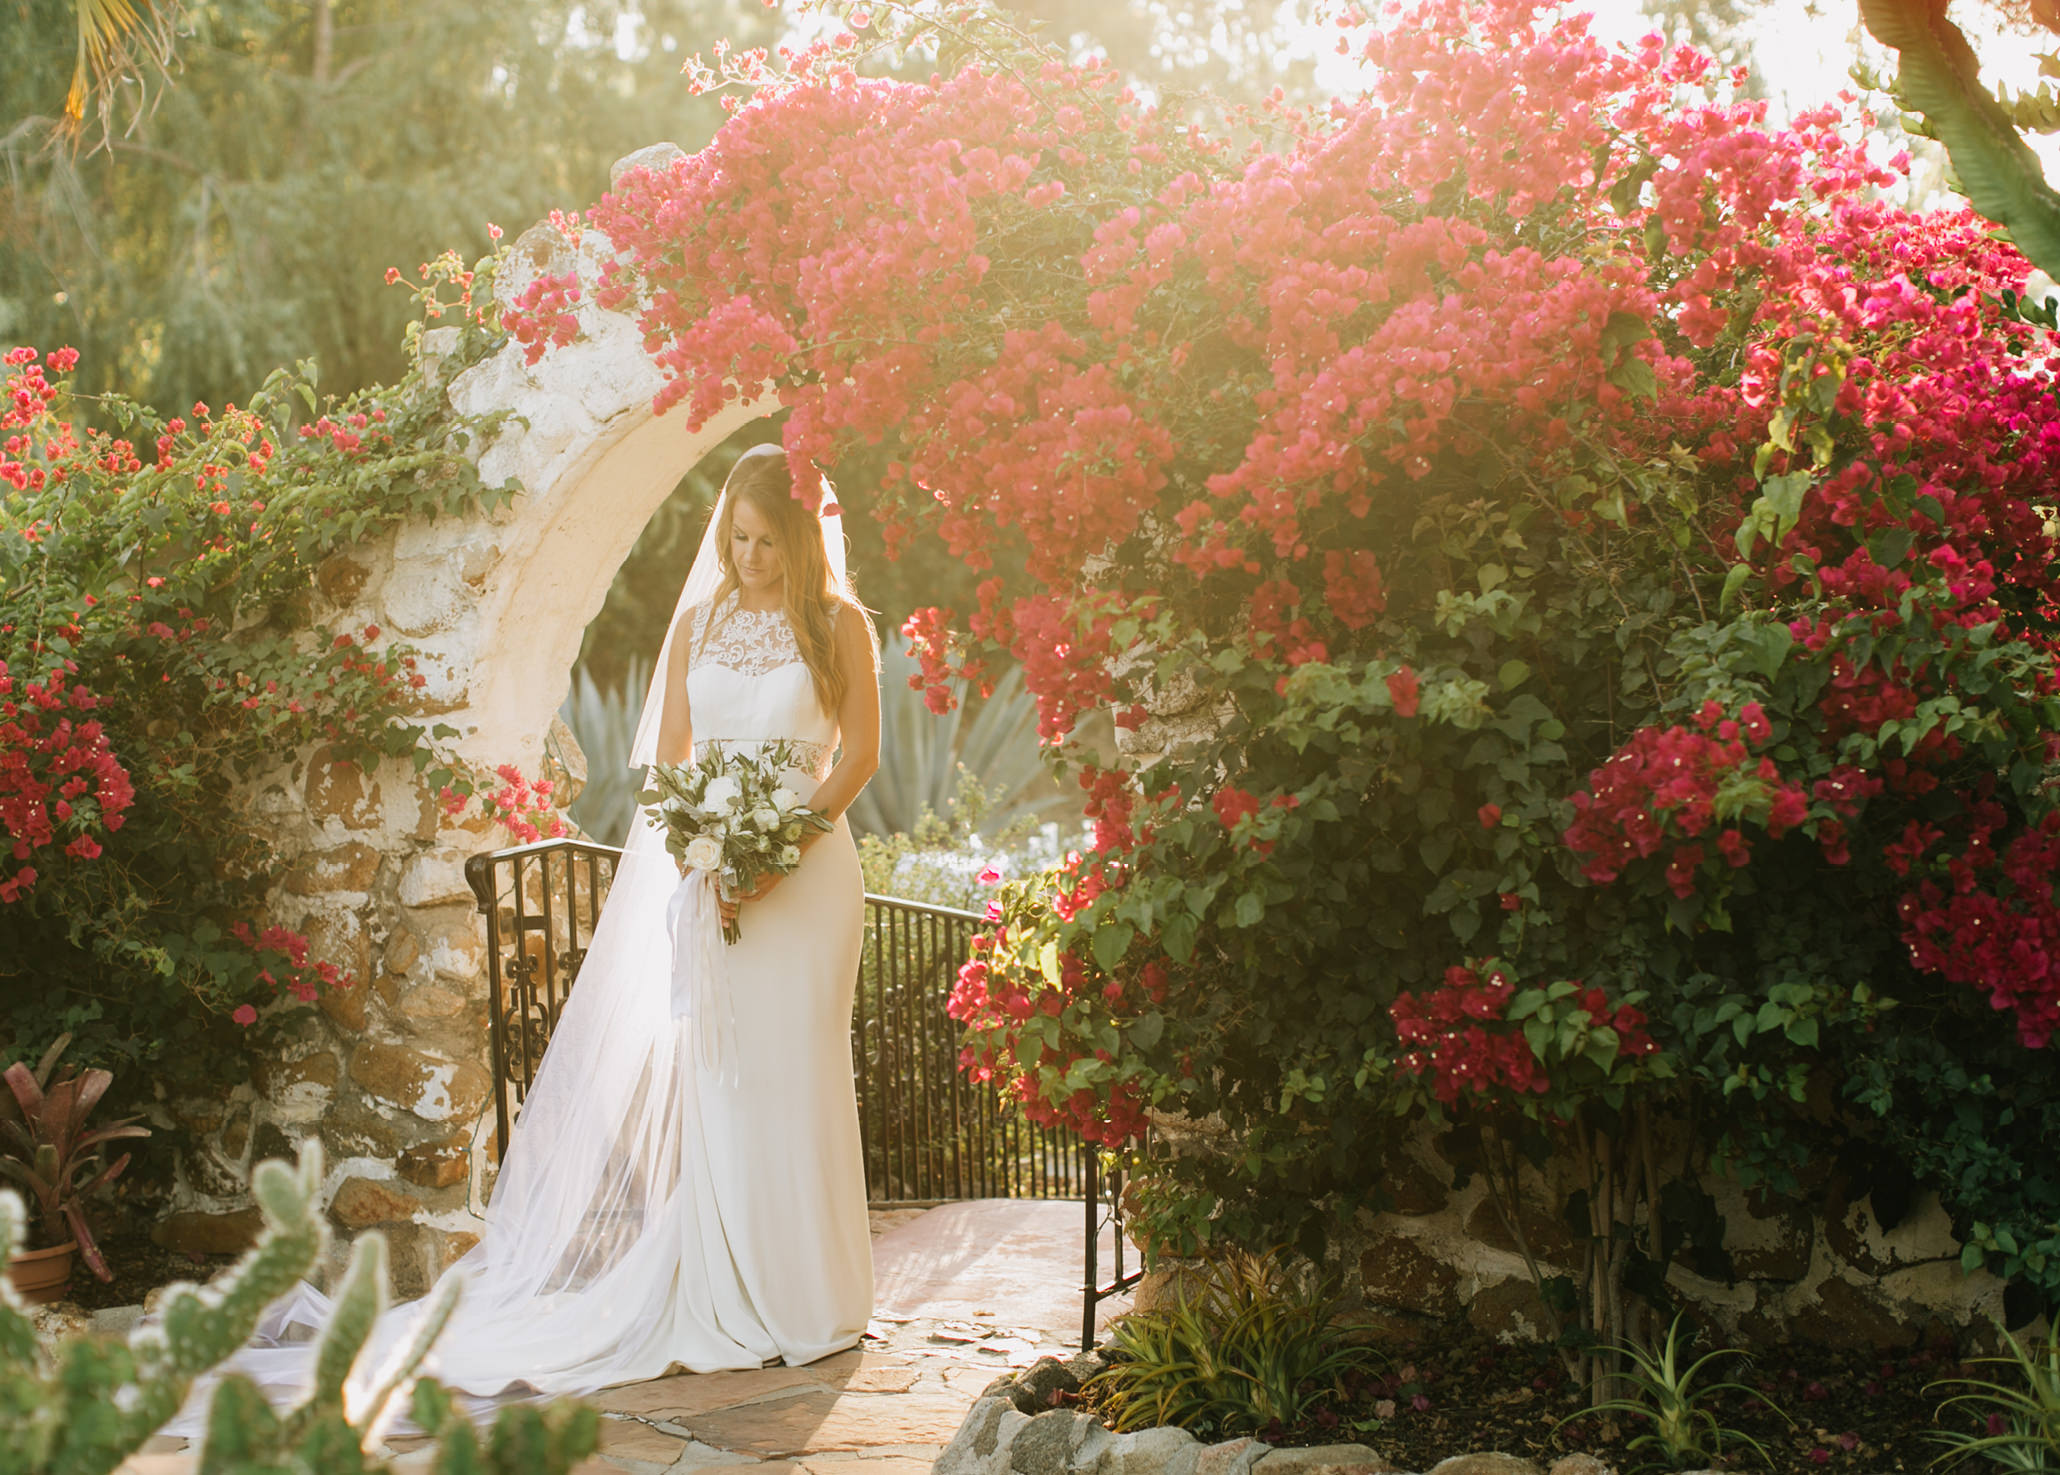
575,1285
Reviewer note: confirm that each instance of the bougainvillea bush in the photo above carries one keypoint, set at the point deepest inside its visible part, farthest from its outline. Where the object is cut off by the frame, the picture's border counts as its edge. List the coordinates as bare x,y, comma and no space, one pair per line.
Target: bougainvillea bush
157,649
1576,566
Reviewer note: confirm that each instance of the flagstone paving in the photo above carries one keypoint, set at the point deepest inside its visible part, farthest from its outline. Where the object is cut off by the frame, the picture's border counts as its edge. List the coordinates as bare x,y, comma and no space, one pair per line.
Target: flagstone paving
962,1294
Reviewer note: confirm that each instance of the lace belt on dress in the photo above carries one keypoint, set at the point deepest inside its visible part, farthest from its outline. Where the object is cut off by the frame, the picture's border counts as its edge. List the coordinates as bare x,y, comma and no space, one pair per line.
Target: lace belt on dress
811,758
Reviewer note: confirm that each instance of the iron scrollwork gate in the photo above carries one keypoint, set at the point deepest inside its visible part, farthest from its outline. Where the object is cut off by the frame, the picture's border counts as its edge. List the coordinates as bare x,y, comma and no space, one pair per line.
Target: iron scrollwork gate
930,1134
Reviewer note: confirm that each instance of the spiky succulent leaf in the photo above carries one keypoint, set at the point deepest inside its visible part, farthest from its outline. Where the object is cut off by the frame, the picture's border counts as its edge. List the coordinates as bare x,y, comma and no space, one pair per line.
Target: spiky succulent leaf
401,1374
242,1430
358,1304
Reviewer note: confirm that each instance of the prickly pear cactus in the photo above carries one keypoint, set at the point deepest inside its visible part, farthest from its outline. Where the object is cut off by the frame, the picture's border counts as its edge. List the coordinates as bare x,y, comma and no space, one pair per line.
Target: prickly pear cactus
84,1407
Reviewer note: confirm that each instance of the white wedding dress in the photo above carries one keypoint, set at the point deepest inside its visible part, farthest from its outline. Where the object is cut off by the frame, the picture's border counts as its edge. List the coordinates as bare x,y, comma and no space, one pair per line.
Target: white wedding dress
653,1214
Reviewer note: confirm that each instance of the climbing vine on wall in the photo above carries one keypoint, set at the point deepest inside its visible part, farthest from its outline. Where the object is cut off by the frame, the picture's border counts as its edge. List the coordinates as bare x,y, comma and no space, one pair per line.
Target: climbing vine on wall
158,650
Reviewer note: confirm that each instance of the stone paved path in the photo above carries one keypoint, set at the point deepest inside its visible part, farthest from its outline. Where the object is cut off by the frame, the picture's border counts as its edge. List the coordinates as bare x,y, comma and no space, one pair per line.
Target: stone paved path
962,1293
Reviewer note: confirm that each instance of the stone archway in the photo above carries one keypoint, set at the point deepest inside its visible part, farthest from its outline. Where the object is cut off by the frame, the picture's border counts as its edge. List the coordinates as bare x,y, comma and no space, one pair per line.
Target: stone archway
392,1075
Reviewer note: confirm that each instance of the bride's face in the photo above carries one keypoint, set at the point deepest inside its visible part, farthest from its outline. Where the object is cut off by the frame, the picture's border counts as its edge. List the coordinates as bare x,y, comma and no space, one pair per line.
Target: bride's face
753,550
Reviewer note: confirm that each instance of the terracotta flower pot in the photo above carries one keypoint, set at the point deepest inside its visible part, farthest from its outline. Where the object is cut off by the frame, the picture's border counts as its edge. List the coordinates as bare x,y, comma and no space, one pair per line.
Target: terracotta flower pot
43,1276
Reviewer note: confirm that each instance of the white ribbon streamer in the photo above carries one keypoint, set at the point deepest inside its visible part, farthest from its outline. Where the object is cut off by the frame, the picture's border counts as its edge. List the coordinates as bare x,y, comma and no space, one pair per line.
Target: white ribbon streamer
700,974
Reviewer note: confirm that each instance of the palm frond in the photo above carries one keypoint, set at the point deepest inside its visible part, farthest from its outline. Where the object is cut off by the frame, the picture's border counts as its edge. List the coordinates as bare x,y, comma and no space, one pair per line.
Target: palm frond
120,41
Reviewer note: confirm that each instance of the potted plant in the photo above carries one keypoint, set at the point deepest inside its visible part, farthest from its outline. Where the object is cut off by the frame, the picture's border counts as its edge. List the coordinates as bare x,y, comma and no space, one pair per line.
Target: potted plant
46,1148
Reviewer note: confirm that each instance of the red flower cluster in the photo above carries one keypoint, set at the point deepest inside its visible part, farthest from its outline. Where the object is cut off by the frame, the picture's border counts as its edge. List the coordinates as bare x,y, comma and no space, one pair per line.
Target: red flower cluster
283,956
59,777
543,317
996,1003
1666,784
1995,924
1444,1037
996,278
351,435
521,804
1458,1036
1110,798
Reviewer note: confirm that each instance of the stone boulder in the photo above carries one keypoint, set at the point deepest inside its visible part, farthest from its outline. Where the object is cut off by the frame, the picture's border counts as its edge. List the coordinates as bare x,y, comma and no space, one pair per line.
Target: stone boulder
981,1446
1325,1459
1163,1450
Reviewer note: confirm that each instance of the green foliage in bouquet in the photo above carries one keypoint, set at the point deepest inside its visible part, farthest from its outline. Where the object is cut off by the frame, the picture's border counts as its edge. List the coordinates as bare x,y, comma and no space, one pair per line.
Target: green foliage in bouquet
84,1406
730,814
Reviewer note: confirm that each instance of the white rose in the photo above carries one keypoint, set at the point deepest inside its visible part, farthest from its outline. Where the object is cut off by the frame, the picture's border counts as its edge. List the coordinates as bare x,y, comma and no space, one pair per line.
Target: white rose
785,800
765,817
704,852
723,791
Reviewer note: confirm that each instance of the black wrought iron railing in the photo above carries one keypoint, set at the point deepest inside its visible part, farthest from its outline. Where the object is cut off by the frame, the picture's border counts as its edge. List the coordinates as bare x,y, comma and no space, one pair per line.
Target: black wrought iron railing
540,902
930,1133
1104,1212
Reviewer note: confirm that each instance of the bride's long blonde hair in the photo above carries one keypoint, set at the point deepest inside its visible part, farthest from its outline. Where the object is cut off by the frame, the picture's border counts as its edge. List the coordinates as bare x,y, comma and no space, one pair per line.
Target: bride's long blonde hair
813,599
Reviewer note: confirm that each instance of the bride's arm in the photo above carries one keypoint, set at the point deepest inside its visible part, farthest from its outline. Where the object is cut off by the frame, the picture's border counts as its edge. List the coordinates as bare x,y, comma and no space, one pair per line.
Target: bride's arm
858,721
675,722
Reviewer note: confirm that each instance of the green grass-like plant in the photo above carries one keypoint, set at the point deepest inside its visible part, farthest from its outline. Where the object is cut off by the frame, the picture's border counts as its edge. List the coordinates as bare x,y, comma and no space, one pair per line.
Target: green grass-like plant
1248,1343
1685,1430
2020,1424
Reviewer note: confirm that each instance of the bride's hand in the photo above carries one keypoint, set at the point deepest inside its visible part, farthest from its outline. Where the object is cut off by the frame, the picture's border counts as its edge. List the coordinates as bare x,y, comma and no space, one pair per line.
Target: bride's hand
757,893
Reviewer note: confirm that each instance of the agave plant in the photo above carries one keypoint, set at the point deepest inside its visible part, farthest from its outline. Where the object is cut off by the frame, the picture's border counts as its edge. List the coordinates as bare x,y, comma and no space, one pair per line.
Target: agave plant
604,719
1247,1345
2020,1421
46,1147
1683,1430
922,754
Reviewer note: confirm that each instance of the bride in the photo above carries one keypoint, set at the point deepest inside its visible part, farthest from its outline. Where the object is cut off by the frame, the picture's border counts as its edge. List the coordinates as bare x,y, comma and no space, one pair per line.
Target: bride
653,1212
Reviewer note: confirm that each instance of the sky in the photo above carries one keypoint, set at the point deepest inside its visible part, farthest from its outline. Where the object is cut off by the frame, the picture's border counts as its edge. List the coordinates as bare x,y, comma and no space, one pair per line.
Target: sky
1804,50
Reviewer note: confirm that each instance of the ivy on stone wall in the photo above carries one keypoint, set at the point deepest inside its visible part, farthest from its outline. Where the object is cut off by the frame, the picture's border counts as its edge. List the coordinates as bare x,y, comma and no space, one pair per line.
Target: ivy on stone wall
161,649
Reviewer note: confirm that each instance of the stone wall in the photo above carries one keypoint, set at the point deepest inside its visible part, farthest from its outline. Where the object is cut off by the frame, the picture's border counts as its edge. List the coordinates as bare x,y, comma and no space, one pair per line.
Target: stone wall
392,1075
1816,1268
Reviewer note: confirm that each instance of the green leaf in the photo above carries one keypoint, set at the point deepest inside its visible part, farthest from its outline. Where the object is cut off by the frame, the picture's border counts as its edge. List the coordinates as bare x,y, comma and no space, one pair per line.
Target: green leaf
1890,546
1771,644
1734,581
1938,75
1111,942
1177,937
1634,377
1784,494
1513,674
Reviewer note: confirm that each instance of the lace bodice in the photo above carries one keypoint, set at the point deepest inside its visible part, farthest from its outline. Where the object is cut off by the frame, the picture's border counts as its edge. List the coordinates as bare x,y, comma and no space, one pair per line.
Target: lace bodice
748,641
747,685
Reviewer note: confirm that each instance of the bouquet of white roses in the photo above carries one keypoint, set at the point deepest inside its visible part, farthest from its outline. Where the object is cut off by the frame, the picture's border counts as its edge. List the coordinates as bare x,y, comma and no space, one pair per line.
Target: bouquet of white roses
729,815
